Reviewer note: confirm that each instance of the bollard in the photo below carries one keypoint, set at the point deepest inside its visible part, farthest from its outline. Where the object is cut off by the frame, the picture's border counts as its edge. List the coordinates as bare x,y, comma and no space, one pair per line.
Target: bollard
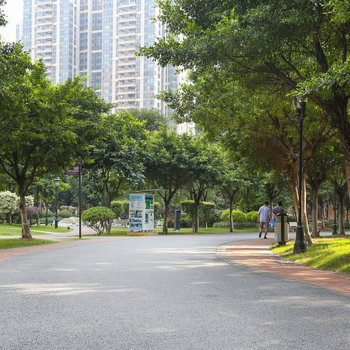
283,237
177,220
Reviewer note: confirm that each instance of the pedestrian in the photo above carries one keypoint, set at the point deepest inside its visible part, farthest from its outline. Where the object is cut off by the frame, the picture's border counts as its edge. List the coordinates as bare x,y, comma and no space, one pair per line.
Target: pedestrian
277,211
264,214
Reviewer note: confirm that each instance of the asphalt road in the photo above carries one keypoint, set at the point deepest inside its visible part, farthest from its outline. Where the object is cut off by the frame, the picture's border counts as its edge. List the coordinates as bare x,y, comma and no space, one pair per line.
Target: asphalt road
163,292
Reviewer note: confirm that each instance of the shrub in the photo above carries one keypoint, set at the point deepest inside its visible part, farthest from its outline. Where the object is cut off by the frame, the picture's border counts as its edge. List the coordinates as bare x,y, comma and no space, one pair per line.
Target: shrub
206,211
187,207
8,205
186,221
64,214
225,215
237,216
252,216
34,213
71,209
221,224
98,218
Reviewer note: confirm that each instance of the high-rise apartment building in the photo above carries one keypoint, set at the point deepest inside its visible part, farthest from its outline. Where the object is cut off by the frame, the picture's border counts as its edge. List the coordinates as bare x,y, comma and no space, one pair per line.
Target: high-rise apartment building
98,39
50,33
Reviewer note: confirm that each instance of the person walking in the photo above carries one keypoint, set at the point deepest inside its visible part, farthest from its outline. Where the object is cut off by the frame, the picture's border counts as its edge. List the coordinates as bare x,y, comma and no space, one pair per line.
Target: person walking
277,211
264,215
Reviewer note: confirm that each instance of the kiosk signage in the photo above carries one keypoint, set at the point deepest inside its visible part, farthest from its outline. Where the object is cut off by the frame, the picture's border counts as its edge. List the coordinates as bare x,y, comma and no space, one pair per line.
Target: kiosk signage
141,212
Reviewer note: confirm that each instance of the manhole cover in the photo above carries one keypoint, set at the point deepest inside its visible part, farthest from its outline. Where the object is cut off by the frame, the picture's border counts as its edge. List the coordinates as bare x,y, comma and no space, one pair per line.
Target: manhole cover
287,262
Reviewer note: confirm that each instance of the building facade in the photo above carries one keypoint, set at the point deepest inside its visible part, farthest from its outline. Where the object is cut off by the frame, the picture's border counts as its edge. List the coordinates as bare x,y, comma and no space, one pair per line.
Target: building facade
98,39
50,33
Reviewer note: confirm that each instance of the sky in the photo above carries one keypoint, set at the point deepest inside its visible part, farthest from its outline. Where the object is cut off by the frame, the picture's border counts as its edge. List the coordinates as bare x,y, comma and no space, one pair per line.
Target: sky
13,12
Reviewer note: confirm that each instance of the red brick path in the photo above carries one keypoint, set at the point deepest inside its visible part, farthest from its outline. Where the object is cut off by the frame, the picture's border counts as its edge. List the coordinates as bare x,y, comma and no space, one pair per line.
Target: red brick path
256,254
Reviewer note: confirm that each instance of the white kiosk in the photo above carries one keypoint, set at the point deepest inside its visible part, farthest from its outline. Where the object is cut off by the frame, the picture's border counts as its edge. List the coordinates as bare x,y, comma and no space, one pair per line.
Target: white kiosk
141,212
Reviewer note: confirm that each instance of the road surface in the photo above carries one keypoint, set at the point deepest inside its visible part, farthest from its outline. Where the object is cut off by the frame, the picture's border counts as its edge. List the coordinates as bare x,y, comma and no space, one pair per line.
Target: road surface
161,293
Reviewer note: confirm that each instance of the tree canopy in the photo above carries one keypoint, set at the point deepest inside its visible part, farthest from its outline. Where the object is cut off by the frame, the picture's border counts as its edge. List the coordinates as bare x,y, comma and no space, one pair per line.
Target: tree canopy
295,47
46,128
116,155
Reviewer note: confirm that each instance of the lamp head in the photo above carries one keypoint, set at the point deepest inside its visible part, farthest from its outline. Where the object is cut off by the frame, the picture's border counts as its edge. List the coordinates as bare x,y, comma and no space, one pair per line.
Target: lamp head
300,105
57,182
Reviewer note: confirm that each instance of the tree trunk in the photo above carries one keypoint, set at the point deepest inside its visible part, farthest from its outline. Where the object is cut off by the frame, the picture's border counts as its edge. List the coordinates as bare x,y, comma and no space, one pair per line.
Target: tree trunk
294,191
347,169
341,215
322,214
108,226
196,215
231,218
9,219
315,230
166,214
24,218
304,215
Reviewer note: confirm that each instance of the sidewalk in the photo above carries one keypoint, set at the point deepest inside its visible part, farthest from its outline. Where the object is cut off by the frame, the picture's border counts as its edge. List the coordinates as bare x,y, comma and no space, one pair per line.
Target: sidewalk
10,253
255,254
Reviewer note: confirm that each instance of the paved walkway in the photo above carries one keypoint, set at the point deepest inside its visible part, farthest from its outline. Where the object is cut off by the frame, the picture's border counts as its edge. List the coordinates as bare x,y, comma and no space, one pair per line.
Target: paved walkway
6,254
253,254
256,254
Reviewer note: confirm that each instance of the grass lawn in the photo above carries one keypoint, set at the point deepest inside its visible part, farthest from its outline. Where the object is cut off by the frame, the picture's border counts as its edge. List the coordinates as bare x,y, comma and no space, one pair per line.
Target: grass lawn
123,231
188,230
329,253
120,231
16,230
19,242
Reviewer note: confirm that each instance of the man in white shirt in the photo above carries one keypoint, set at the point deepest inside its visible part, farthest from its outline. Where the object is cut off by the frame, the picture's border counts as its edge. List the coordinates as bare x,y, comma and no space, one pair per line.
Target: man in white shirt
264,215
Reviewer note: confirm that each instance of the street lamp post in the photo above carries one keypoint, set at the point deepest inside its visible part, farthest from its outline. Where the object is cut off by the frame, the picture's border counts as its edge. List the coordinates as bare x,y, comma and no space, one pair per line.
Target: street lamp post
47,208
335,227
57,183
299,245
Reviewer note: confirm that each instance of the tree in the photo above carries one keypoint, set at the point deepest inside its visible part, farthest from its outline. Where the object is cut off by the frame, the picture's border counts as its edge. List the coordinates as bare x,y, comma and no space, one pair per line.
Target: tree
232,180
167,166
340,189
318,171
45,127
206,164
339,186
120,208
98,218
116,156
154,120
296,47
208,209
2,15
260,127
8,205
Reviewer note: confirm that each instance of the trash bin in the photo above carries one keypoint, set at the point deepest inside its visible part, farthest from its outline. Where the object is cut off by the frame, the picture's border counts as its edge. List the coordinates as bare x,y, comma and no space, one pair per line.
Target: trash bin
281,229
177,220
